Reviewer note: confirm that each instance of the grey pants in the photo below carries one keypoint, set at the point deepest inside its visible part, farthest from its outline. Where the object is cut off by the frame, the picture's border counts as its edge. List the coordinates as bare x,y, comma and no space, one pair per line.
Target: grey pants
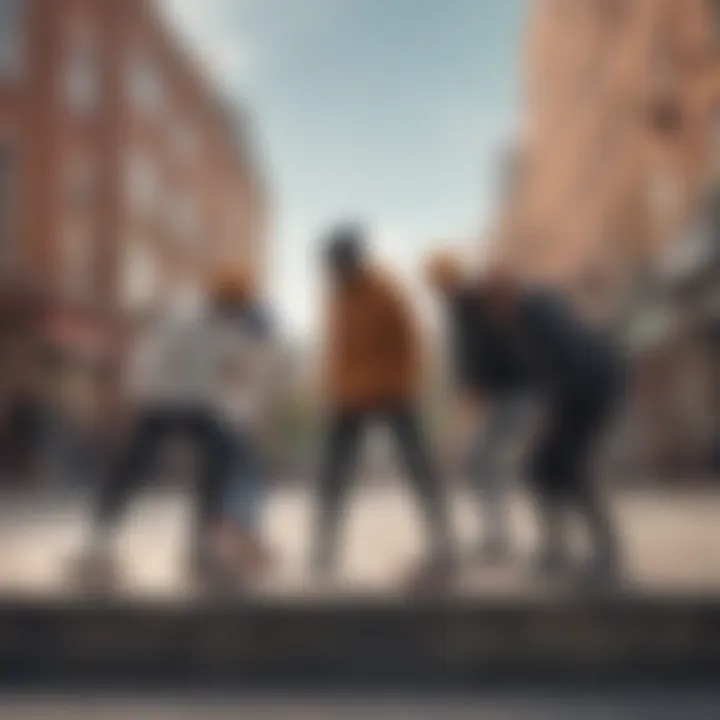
491,463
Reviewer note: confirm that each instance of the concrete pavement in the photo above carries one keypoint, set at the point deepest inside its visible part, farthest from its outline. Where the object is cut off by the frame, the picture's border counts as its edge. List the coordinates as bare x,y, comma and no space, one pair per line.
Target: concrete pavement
672,543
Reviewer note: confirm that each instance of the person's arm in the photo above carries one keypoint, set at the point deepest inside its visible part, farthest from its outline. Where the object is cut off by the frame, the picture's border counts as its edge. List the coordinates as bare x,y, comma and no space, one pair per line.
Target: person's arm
325,373
265,362
466,362
468,403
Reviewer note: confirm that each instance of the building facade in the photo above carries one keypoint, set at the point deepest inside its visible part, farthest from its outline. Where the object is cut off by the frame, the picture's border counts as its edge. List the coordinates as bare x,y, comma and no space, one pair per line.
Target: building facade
619,149
620,137
119,166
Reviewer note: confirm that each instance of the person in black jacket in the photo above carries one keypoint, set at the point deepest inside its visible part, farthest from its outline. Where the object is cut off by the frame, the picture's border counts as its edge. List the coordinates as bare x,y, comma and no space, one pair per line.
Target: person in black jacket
578,376
492,394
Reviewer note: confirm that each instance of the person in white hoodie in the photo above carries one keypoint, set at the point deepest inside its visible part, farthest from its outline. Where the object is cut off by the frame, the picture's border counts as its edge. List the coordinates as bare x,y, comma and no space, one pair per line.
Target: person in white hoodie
244,388
172,386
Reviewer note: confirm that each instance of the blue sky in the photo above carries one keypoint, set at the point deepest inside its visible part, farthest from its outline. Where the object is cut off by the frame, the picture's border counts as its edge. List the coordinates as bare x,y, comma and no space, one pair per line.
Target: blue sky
393,112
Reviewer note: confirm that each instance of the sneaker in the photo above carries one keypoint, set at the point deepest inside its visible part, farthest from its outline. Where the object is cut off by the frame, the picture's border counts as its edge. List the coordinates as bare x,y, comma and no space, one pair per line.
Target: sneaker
436,575
244,554
601,575
494,552
551,564
95,571
322,566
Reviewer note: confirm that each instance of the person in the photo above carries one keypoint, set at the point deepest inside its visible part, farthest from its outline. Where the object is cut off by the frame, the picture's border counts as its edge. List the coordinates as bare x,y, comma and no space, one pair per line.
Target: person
579,377
492,397
244,387
171,386
372,373
24,421
72,438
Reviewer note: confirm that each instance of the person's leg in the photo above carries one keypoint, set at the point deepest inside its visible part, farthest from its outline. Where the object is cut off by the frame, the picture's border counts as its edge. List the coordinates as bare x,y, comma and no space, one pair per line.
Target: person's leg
595,512
406,426
215,452
553,553
490,468
127,472
245,487
548,481
589,422
338,463
256,474
238,540
95,567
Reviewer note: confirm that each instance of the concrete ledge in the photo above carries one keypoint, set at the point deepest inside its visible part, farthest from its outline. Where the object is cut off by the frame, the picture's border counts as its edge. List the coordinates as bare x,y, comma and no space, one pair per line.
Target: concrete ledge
360,642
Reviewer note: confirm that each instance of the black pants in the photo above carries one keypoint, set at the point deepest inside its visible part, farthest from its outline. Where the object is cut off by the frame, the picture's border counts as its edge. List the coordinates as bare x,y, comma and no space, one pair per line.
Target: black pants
562,469
343,437
138,454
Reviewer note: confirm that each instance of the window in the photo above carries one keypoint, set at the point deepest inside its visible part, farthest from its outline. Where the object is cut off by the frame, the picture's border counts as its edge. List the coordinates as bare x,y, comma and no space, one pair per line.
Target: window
77,260
142,184
11,37
182,217
8,186
184,141
665,199
81,77
714,24
666,112
140,280
146,90
615,12
79,187
79,233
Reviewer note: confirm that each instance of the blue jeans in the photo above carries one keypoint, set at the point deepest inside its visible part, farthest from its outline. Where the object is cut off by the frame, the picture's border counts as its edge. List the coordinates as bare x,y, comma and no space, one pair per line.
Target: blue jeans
245,497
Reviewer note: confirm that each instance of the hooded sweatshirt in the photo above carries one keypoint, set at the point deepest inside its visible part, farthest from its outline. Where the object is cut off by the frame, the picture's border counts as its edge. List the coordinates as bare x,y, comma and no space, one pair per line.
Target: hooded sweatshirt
373,347
171,364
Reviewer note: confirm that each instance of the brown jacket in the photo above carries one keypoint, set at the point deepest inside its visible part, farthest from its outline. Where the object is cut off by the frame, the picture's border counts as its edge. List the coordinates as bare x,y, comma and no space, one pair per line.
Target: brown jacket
373,353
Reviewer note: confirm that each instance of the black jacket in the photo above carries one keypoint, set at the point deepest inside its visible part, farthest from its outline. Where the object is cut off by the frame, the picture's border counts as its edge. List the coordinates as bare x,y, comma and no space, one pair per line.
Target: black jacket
484,355
567,358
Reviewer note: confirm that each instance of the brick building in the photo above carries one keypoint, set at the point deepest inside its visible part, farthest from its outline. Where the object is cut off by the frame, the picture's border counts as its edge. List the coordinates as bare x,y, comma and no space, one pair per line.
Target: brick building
619,137
619,148
119,163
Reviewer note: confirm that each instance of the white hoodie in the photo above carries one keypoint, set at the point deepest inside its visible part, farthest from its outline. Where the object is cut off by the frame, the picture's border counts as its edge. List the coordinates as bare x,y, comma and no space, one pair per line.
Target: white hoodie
173,362
245,370
192,358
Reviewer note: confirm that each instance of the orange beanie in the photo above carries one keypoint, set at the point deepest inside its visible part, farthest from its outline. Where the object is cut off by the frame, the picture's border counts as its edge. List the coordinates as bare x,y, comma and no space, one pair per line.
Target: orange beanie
233,285
444,271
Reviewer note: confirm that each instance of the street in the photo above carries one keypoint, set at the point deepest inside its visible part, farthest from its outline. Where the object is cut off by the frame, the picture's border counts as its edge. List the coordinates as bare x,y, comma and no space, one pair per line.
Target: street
671,541
643,705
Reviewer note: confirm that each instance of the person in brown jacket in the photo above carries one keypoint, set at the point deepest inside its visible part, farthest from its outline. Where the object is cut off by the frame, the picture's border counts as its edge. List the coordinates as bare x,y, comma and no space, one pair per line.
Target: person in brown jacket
372,373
